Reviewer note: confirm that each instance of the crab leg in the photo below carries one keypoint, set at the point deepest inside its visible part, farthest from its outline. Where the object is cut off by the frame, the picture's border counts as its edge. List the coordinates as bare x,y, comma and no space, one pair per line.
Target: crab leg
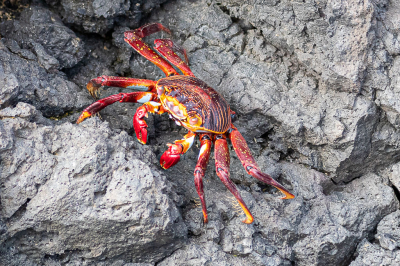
134,39
173,154
222,160
169,49
133,97
121,82
199,171
250,165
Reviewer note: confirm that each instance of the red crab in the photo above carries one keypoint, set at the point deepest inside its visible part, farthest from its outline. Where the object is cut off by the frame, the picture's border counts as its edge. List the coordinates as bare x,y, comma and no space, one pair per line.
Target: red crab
192,104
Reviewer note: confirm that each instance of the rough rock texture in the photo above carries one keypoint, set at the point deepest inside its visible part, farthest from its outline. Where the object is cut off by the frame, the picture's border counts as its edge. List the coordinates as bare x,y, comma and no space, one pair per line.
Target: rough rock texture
385,251
80,191
43,30
32,50
315,86
100,16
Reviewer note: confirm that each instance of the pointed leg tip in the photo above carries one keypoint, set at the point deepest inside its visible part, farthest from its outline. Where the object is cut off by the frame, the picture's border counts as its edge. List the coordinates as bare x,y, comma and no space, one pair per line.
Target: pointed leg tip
164,28
248,220
288,197
205,216
82,117
287,194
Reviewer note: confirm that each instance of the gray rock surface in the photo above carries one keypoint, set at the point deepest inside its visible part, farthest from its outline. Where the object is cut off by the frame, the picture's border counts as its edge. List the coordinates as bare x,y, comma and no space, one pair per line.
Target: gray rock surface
389,231
100,16
371,254
385,250
38,26
314,84
81,191
26,78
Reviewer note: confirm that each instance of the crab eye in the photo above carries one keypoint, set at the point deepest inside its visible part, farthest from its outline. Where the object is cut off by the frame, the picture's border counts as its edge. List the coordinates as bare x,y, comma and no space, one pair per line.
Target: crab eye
193,121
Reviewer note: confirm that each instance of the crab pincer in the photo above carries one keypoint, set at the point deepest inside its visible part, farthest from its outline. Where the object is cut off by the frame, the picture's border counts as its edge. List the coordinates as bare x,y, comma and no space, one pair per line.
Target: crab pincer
171,156
140,125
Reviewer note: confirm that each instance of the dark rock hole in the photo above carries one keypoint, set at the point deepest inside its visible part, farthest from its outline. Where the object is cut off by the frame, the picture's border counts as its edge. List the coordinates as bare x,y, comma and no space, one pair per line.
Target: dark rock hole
396,192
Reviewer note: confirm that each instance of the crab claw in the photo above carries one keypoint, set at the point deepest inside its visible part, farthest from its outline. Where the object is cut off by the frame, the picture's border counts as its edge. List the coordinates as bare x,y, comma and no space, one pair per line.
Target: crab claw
171,156
140,125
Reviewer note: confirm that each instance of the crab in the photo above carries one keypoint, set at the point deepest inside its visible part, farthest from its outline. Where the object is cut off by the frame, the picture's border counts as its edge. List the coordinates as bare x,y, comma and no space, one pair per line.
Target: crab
191,103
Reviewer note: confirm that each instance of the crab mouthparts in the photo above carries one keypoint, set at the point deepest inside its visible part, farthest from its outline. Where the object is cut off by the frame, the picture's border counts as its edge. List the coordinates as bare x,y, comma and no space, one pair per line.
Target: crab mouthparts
175,109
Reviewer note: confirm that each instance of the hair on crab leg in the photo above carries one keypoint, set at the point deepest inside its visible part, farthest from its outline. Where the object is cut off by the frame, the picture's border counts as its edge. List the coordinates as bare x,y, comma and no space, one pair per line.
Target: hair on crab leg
200,169
222,160
250,165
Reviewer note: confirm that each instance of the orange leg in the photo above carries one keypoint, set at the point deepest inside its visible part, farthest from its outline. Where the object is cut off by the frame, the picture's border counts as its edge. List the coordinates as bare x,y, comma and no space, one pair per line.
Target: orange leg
121,82
244,154
169,49
222,161
199,171
133,97
134,39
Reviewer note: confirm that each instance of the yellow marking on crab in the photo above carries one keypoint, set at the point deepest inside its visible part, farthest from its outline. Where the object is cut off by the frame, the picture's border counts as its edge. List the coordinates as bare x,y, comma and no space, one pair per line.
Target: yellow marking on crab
186,142
206,146
83,116
154,107
249,217
205,217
